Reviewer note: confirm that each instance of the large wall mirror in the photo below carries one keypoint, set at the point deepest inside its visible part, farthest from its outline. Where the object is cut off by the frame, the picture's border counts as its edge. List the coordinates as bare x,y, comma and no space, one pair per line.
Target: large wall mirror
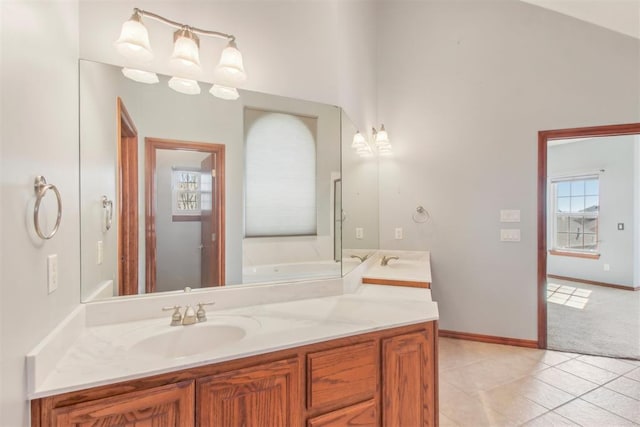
193,191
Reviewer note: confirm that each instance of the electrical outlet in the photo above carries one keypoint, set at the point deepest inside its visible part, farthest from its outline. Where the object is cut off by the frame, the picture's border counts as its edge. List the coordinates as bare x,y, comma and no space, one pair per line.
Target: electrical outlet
398,233
621,226
607,267
100,252
52,272
359,233
510,215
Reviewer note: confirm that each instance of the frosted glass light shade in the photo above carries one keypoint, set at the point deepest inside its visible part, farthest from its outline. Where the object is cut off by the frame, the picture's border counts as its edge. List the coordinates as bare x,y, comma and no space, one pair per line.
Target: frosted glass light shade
134,41
186,86
230,70
185,59
140,76
224,92
382,138
358,140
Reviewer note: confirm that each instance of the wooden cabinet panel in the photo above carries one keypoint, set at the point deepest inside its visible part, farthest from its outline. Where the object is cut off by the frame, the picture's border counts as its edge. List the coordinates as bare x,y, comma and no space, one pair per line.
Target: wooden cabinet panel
167,406
342,375
363,414
266,395
408,388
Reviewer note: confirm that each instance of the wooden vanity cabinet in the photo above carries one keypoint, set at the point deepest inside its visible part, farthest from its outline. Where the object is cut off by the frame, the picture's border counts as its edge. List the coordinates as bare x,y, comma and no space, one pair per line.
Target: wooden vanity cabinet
386,378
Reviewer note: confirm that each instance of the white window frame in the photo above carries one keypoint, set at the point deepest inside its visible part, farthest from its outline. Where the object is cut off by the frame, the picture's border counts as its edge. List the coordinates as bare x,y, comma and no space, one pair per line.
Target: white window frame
553,214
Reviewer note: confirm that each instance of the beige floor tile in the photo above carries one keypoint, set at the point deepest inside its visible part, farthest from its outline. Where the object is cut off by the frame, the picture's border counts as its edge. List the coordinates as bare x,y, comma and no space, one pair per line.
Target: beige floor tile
551,358
446,421
539,392
454,353
634,375
550,419
614,402
565,381
587,414
610,364
473,413
588,372
514,406
491,373
626,386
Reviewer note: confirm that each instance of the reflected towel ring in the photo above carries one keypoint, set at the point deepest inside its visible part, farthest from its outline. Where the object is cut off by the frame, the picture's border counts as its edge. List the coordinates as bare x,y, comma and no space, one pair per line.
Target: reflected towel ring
107,205
41,188
421,215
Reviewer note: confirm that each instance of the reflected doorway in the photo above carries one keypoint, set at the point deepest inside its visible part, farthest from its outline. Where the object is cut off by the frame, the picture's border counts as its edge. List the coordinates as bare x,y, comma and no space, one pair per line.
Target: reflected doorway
184,220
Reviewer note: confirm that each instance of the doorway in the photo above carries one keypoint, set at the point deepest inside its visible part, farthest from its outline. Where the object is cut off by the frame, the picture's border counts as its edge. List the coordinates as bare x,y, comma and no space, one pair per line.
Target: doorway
127,147
184,214
588,240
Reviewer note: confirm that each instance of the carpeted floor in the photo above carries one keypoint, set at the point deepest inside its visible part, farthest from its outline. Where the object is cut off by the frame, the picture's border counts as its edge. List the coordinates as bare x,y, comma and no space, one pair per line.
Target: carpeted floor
589,319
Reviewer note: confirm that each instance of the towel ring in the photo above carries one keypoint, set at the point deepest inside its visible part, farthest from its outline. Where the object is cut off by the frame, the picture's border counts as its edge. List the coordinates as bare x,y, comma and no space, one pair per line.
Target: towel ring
421,215
107,205
41,187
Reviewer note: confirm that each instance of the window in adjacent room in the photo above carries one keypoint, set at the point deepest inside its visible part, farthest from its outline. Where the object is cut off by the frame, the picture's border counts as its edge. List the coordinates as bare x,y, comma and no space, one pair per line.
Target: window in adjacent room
576,206
280,174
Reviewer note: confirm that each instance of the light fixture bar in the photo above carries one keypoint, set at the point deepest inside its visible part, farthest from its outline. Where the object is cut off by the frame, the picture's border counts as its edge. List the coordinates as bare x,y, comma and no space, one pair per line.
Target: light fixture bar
178,25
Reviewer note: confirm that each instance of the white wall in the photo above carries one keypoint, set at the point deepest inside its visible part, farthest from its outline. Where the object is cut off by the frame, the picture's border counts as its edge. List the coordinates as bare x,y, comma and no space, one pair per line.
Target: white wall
39,137
636,211
294,49
614,155
464,87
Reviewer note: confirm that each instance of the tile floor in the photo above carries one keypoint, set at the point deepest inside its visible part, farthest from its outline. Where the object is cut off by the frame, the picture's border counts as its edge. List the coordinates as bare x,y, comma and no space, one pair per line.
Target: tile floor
495,385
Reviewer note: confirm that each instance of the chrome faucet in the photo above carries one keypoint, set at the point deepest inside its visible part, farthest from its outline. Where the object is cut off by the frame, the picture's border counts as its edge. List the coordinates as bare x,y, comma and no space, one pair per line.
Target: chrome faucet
189,317
361,258
176,317
385,260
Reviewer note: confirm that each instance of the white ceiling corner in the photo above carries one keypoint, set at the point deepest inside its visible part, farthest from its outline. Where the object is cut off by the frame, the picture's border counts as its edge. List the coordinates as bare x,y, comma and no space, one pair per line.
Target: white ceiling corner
622,16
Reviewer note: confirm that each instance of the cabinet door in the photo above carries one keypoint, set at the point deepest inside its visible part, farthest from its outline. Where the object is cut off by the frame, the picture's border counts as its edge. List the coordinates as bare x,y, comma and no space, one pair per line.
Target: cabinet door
408,380
266,395
363,414
167,406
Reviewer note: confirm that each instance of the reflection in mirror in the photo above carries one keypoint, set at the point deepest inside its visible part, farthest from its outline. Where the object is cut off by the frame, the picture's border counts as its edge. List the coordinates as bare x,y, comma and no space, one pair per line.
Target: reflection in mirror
158,237
359,216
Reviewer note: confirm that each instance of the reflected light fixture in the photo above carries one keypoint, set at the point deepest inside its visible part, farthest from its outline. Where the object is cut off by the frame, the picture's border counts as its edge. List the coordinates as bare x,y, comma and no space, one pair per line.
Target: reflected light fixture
381,141
140,76
134,45
186,86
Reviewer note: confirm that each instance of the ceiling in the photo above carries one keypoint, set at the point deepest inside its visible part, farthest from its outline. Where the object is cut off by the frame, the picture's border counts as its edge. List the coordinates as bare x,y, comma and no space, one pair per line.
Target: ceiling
622,16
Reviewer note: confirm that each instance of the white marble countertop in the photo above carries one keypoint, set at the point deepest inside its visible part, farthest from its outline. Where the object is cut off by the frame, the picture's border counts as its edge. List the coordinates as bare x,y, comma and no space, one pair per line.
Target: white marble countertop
106,354
412,266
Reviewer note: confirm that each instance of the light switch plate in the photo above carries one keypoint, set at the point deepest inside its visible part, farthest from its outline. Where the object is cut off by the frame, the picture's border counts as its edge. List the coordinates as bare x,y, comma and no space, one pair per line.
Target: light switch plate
510,215
100,252
399,234
359,233
510,235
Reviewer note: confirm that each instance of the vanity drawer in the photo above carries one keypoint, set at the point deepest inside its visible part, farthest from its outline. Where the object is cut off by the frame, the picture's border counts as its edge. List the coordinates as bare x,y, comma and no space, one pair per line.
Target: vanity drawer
342,375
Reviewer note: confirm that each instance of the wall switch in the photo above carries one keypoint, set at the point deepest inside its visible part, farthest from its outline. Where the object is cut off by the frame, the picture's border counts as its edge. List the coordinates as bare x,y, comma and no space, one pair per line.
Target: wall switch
398,233
359,233
607,267
510,215
621,226
52,272
510,235
100,252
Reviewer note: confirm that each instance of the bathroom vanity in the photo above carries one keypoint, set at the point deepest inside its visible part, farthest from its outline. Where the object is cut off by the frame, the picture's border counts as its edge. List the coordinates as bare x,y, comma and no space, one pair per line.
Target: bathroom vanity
365,356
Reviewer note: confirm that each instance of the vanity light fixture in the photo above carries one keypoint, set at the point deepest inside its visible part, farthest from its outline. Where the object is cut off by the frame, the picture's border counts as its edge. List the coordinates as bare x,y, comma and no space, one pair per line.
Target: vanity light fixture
382,141
134,45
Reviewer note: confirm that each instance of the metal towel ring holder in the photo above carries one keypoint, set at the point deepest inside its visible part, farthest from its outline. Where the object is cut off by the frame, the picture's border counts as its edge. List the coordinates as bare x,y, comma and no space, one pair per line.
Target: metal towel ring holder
107,205
421,215
41,188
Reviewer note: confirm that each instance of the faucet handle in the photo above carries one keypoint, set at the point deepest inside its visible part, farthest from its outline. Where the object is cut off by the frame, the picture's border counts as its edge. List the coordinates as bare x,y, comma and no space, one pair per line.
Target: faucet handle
176,317
201,314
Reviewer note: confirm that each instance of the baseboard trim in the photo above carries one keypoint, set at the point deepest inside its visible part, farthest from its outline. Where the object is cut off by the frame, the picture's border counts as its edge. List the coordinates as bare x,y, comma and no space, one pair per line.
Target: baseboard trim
488,339
592,282
372,281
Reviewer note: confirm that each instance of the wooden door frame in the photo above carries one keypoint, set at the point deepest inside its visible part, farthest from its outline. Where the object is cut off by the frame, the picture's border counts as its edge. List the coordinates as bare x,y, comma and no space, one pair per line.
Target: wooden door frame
543,138
127,198
151,145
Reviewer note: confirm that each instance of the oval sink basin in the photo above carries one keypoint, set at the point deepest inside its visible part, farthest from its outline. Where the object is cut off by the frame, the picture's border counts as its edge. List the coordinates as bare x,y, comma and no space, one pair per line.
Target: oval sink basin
183,341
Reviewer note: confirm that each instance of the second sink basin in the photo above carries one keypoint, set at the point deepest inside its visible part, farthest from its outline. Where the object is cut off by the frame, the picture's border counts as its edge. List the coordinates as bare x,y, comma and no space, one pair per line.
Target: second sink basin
184,341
